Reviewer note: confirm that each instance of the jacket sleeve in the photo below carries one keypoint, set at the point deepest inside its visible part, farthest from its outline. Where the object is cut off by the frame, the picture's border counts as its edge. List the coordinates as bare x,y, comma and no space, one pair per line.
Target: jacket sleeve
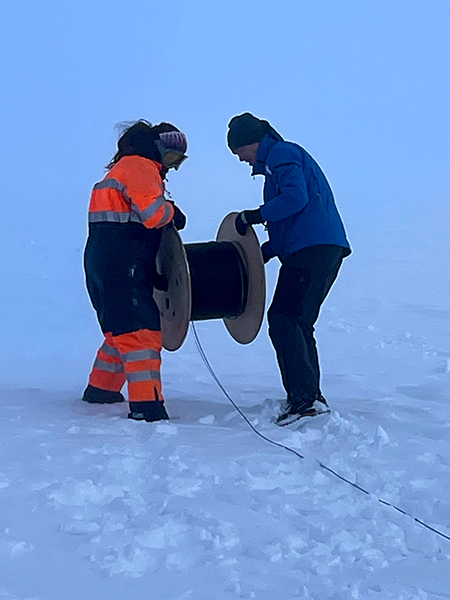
145,191
289,178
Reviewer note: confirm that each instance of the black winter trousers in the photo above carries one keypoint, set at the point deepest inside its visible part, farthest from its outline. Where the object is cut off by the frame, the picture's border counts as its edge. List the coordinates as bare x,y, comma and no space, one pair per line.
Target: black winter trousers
304,280
119,268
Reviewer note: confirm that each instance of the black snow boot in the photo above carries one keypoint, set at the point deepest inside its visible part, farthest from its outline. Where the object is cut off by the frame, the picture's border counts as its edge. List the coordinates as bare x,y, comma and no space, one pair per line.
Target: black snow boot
148,411
95,395
323,401
296,409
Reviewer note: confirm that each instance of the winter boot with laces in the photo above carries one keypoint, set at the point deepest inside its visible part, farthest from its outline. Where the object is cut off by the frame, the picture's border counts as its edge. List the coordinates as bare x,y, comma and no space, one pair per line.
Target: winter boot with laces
298,408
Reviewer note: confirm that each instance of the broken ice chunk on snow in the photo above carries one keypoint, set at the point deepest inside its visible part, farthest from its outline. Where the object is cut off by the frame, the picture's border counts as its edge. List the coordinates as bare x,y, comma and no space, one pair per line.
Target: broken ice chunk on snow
208,420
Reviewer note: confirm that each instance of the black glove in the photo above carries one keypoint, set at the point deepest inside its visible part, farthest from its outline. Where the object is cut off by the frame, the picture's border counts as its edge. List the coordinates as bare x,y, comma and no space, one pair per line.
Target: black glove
247,218
159,282
241,224
266,253
179,218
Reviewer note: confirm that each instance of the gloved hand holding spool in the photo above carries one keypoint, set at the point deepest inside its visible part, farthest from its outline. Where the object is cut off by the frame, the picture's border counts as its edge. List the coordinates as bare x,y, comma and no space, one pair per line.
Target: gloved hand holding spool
222,279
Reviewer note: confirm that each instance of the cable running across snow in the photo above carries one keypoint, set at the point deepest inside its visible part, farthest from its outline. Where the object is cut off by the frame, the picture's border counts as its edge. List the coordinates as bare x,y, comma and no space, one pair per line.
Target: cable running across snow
321,464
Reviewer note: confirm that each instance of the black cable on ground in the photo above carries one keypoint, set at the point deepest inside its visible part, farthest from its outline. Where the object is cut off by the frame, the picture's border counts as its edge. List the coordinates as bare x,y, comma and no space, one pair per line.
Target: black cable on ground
273,442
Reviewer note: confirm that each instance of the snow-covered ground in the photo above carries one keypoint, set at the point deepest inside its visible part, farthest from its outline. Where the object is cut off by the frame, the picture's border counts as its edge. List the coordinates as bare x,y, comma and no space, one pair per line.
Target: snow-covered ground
199,508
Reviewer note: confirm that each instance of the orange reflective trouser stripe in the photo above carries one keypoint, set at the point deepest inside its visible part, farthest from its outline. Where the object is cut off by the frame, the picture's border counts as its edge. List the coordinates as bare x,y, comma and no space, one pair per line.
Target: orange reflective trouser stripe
108,372
133,357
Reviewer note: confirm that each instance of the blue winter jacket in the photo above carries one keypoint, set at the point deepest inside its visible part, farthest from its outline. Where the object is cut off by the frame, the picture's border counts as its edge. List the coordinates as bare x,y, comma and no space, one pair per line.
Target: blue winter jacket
298,202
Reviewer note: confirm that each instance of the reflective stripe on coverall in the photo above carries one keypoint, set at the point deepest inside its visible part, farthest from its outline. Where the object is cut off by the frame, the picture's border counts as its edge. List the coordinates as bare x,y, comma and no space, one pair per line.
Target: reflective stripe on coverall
126,209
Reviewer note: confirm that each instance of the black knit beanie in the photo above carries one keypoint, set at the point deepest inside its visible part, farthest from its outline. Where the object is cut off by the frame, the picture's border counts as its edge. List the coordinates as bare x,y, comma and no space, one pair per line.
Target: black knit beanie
247,129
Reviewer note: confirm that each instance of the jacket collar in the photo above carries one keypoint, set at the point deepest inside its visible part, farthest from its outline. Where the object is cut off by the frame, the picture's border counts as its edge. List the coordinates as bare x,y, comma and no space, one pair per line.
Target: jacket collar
266,145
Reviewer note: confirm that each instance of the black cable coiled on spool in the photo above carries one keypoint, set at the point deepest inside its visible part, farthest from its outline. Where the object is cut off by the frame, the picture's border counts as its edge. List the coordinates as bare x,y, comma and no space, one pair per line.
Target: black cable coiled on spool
219,280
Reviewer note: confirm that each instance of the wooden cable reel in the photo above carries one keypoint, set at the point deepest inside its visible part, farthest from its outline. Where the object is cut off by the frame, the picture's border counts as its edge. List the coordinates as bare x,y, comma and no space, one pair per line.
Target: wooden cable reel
224,279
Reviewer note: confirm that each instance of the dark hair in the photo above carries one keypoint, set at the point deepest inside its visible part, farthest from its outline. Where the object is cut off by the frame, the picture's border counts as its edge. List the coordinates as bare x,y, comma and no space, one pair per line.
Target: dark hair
139,139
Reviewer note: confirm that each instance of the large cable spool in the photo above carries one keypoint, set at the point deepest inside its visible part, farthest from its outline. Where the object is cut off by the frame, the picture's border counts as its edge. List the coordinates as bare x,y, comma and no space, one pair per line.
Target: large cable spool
222,279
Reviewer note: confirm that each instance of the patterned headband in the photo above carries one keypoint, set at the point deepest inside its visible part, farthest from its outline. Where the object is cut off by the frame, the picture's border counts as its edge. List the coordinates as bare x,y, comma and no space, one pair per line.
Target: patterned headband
174,140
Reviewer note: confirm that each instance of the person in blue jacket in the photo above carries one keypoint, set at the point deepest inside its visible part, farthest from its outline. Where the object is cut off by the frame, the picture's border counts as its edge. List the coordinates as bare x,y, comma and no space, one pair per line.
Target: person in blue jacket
306,233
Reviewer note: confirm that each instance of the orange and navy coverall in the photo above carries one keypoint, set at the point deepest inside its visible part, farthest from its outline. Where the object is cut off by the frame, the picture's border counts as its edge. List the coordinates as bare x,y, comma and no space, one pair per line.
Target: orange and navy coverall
127,210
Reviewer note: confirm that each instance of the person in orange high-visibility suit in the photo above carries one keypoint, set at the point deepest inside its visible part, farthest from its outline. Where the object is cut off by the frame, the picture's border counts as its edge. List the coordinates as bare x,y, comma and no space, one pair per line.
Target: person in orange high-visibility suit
127,212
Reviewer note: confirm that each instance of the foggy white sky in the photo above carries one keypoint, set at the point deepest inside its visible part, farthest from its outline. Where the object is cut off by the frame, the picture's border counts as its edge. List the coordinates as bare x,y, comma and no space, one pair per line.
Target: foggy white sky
362,85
